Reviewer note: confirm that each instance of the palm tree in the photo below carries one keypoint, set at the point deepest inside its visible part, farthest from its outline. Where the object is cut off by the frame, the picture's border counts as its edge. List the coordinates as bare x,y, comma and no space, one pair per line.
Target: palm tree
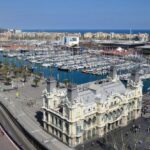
4,70
66,82
1,64
25,72
36,80
7,80
24,75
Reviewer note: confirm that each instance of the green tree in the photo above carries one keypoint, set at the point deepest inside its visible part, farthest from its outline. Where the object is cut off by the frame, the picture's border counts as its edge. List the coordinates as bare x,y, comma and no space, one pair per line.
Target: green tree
36,80
66,82
8,81
1,64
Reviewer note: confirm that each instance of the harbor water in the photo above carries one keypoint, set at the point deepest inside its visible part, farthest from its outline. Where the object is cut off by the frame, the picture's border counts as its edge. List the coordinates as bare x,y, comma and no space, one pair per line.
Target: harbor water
73,76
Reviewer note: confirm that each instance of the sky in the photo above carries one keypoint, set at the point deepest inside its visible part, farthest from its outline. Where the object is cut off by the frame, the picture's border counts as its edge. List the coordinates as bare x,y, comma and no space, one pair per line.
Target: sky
75,14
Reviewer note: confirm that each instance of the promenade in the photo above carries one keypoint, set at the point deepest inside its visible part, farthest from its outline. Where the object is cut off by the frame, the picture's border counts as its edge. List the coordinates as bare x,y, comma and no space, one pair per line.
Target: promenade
25,105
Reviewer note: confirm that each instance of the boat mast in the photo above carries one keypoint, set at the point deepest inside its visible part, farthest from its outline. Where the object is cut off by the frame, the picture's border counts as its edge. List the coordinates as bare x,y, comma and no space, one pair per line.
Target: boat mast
130,34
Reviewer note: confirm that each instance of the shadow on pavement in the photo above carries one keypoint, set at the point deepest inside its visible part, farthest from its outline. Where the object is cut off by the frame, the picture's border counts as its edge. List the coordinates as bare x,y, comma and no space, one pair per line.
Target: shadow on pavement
39,117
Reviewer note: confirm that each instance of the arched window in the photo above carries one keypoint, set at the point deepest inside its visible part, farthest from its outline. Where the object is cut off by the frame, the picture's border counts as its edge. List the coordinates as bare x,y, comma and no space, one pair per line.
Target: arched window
93,132
85,123
89,121
89,134
94,119
54,103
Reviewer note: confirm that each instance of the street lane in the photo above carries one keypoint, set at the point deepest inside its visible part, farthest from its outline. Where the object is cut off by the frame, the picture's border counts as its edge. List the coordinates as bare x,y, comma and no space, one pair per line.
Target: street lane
14,132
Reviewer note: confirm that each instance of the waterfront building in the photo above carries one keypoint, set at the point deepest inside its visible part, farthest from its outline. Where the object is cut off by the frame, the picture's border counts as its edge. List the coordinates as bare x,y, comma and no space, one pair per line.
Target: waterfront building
70,40
88,35
79,113
145,50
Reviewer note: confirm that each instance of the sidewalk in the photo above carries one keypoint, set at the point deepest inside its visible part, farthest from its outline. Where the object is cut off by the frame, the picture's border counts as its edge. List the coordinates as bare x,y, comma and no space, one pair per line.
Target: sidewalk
19,110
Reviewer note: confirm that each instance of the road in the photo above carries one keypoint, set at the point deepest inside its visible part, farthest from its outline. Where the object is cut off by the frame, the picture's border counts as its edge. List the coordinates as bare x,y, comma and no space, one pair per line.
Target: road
14,132
28,115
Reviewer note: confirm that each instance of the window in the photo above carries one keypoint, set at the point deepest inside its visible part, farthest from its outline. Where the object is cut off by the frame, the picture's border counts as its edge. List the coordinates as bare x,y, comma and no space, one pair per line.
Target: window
56,122
67,127
52,130
54,103
60,123
85,124
94,119
46,115
60,135
77,140
56,132
67,139
78,129
111,103
52,120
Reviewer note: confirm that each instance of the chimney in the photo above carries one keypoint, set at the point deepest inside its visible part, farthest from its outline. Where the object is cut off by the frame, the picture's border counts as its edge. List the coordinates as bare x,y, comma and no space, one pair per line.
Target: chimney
135,76
72,92
113,73
51,84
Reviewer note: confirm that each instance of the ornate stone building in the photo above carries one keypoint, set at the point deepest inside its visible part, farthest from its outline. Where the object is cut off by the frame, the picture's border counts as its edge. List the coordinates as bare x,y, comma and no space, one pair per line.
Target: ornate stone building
78,113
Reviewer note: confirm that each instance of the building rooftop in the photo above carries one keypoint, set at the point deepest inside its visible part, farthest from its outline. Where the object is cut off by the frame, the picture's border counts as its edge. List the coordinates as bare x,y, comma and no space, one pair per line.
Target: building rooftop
101,91
144,47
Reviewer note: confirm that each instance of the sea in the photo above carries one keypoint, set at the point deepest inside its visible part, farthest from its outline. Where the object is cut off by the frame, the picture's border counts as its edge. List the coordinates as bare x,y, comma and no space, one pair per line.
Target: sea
82,31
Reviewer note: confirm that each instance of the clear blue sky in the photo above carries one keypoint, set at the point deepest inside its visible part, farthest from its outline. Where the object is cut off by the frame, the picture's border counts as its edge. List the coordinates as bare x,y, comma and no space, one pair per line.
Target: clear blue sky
75,14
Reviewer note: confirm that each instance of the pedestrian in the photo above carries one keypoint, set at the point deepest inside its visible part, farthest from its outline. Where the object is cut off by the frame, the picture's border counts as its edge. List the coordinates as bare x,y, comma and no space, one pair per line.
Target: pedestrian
139,128
126,134
17,94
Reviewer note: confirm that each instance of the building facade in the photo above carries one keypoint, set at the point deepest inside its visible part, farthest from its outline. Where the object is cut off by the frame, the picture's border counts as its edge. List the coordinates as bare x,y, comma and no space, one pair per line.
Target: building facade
70,40
79,113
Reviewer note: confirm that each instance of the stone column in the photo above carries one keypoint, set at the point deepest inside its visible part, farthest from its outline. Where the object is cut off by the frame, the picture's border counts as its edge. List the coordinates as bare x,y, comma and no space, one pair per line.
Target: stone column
44,115
44,119
49,118
45,126
64,138
124,121
49,129
73,142
43,102
63,126
100,132
70,142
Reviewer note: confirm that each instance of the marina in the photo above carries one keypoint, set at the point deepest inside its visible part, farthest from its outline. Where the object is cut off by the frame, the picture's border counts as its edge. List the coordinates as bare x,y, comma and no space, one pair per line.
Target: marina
79,68
75,75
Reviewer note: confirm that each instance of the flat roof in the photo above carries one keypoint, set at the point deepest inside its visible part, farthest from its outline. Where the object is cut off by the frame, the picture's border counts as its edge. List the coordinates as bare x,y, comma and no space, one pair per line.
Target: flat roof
144,47
120,42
